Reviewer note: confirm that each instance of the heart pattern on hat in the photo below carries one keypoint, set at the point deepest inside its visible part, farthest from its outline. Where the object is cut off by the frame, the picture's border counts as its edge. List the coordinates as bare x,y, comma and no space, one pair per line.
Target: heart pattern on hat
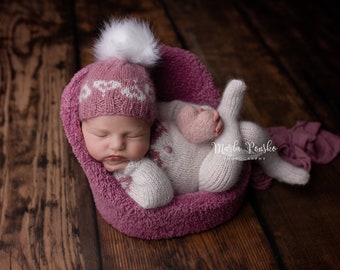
85,92
131,91
103,86
134,91
116,86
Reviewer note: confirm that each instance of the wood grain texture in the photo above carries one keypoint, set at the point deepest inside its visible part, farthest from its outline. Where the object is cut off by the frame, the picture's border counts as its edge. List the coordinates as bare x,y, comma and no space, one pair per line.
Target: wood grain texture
238,244
305,49
39,218
285,51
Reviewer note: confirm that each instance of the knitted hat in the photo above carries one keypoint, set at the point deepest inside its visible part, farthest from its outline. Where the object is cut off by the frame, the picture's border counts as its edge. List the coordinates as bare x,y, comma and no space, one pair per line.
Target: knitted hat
118,82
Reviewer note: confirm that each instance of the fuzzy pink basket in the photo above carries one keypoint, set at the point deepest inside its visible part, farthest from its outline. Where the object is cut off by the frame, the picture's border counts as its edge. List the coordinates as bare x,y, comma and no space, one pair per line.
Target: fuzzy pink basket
179,75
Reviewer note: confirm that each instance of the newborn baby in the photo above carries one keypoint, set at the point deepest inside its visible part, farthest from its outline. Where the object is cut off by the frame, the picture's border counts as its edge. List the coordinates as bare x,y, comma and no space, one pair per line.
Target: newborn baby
158,149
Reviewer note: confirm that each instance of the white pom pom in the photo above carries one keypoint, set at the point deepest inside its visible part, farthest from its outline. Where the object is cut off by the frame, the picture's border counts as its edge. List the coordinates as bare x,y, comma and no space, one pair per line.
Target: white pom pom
128,39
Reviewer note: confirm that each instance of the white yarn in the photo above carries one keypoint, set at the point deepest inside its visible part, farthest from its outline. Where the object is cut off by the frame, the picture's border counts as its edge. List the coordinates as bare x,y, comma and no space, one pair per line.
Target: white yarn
149,186
128,39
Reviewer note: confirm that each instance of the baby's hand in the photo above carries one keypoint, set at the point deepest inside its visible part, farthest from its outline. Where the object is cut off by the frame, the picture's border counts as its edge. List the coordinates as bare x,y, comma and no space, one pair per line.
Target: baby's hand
199,125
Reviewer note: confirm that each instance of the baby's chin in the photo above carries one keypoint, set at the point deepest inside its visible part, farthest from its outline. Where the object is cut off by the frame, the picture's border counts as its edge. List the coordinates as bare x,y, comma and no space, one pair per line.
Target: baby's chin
115,167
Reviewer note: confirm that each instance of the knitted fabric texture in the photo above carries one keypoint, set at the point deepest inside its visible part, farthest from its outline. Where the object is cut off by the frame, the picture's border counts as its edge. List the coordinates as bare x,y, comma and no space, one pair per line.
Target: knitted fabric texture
115,86
180,75
196,125
195,167
147,184
302,145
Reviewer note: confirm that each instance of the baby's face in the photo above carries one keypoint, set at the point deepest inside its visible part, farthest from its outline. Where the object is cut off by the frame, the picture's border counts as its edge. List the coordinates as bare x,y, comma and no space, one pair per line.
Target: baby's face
115,140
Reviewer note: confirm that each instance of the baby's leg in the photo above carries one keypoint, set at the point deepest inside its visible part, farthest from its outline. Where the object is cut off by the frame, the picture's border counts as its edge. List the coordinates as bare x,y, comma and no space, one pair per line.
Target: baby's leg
274,166
221,168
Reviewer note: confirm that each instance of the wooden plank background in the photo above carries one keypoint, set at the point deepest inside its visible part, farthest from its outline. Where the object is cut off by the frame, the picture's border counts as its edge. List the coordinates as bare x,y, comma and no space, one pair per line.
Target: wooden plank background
286,51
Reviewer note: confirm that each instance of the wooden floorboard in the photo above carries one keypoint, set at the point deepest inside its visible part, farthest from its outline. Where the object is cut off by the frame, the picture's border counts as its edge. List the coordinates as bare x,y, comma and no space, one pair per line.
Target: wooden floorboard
287,54
305,49
41,220
238,244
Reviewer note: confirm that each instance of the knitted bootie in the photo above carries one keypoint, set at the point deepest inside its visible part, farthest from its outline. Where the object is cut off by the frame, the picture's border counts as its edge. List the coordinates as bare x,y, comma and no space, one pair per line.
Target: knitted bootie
232,101
146,183
257,140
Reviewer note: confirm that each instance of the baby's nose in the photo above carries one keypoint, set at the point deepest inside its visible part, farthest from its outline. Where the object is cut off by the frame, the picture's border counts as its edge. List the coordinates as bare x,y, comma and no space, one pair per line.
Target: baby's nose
117,143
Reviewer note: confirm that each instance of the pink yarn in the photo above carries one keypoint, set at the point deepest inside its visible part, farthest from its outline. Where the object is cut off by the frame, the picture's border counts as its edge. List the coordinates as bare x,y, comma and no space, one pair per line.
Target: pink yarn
303,144
114,86
180,75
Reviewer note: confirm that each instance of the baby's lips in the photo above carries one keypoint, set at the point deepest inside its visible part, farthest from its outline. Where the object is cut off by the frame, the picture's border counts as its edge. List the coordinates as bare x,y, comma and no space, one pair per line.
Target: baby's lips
114,158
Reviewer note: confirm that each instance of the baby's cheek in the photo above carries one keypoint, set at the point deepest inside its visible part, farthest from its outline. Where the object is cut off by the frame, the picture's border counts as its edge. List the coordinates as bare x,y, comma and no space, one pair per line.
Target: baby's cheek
95,151
139,151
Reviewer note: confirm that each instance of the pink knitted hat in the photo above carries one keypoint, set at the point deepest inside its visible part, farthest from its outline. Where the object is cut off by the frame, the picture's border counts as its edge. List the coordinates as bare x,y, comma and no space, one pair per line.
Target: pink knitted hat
116,86
118,83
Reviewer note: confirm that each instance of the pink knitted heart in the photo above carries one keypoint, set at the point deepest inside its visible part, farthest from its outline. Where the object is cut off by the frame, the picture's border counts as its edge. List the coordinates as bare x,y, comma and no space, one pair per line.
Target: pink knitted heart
197,126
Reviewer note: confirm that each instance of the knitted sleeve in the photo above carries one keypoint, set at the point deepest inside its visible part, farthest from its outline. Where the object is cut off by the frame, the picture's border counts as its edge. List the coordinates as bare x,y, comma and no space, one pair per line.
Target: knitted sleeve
169,110
146,183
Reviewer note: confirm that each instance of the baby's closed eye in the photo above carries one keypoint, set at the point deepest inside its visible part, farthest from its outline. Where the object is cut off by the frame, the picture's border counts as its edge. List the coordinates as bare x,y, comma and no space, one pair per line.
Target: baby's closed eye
100,134
135,135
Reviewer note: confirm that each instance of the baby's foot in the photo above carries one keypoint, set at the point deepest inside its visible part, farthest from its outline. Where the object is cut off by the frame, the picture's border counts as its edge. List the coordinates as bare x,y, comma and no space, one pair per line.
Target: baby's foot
199,125
287,173
232,100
